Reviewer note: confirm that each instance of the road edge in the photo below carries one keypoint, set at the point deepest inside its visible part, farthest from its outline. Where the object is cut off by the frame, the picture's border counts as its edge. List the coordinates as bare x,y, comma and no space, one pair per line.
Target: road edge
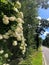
44,60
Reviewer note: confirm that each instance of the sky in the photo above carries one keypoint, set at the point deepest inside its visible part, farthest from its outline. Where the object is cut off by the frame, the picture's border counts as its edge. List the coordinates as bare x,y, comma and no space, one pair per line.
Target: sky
45,33
44,13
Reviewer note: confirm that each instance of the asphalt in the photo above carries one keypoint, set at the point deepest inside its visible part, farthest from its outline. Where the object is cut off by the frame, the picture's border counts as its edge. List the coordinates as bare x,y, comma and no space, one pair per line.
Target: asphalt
45,51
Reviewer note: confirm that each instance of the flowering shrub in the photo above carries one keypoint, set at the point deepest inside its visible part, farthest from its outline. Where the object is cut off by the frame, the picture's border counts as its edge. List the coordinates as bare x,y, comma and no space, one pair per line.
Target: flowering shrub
12,41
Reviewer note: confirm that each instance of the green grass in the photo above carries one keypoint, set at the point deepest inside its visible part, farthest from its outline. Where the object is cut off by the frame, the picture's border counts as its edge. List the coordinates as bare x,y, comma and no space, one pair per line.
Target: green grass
34,59
37,58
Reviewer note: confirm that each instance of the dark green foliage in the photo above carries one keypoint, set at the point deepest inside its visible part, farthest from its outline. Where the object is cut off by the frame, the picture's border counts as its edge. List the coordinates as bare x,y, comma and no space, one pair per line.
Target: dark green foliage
46,41
30,12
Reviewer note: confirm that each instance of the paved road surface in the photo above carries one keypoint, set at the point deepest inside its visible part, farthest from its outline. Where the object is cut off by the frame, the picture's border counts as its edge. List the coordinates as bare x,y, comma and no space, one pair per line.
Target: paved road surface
46,54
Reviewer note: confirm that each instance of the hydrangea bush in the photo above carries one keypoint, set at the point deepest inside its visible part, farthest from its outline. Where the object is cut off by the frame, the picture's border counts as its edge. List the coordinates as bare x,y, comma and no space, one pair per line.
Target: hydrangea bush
12,41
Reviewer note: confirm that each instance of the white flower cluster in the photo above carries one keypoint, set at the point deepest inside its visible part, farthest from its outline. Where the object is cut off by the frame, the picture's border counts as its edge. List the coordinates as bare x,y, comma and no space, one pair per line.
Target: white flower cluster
16,10
14,43
6,64
18,4
20,15
19,20
13,18
6,35
23,47
6,55
1,51
5,20
18,34
18,31
1,37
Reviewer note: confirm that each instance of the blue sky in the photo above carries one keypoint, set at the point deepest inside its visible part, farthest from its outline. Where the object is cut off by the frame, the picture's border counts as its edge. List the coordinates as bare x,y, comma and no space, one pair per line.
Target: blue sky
44,13
45,33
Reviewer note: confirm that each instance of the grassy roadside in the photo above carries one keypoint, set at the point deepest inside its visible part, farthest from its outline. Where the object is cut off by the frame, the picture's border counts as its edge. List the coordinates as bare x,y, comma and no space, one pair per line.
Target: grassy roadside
37,58
34,59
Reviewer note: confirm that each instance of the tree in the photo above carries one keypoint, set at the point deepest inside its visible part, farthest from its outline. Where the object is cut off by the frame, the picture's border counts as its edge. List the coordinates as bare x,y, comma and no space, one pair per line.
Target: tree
42,3
29,9
30,12
46,41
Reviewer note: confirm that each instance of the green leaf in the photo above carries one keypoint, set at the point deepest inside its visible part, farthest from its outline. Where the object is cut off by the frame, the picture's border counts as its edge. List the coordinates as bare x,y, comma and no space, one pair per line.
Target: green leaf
4,1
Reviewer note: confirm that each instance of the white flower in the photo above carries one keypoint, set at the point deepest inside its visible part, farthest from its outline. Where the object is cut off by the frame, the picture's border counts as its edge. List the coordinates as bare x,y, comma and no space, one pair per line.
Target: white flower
12,18
25,44
21,47
5,20
23,51
14,43
1,51
8,59
6,55
7,33
20,25
18,4
22,44
18,29
1,37
21,34
16,10
23,39
6,64
20,15
10,32
15,34
5,36
19,38
19,20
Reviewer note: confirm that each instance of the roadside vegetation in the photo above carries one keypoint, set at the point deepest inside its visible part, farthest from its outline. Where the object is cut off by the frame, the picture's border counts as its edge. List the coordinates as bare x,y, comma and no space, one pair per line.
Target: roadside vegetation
18,23
35,58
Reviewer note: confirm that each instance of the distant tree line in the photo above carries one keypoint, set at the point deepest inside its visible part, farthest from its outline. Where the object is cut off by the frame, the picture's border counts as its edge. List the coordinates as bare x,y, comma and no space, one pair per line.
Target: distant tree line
46,41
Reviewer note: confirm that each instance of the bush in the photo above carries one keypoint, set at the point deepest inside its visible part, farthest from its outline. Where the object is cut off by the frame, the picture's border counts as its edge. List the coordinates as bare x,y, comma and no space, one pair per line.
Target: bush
12,41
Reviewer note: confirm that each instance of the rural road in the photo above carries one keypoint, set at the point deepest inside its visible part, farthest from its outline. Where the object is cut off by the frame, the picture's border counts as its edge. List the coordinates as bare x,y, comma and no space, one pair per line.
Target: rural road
45,51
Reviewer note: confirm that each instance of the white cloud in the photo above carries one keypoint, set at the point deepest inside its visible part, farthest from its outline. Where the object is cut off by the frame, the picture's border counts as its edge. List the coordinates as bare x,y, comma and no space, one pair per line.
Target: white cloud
45,33
38,17
48,19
